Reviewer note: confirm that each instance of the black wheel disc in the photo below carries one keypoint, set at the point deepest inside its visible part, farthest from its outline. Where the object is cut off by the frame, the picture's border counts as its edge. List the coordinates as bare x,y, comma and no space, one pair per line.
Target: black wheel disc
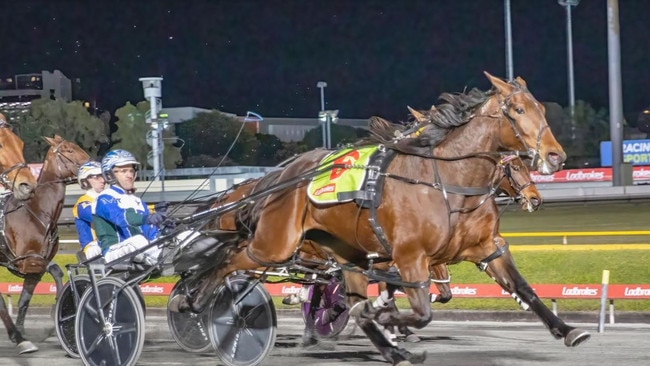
65,312
243,322
188,329
114,335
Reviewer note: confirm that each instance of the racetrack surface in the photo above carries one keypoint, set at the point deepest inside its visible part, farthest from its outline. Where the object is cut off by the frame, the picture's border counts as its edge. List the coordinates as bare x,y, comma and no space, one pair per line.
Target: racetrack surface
466,343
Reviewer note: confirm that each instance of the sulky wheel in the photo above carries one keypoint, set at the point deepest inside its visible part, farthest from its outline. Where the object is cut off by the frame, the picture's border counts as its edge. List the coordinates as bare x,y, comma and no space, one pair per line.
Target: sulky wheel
111,333
243,322
188,329
334,328
65,311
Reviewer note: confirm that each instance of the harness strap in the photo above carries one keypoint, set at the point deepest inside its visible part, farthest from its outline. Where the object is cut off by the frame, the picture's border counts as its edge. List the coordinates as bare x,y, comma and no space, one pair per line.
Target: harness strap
482,265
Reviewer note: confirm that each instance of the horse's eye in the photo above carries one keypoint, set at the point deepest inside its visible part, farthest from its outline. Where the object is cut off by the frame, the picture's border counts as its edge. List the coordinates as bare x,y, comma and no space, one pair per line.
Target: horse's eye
519,110
515,168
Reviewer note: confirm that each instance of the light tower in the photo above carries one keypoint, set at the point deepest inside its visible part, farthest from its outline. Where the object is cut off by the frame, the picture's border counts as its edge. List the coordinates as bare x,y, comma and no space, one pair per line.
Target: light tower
152,87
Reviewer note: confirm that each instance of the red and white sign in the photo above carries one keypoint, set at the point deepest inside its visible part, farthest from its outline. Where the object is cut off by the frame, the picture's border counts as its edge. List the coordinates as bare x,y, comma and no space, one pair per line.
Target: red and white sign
547,291
639,173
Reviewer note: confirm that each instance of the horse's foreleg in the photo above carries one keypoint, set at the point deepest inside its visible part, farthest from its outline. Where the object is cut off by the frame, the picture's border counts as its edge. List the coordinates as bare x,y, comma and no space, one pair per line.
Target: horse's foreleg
22,345
441,278
505,273
29,284
364,313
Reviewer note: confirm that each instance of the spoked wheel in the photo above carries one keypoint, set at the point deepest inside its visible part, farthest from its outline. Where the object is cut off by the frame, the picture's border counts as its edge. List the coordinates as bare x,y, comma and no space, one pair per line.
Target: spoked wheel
188,329
333,329
243,322
110,324
65,312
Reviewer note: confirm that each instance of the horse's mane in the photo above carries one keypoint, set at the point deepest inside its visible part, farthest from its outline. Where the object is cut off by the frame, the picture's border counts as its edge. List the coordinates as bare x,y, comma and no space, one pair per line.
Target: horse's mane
456,110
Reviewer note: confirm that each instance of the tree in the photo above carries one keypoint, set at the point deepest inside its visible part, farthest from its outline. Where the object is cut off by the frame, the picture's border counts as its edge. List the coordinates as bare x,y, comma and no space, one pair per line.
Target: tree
217,134
71,121
132,132
591,127
341,134
267,150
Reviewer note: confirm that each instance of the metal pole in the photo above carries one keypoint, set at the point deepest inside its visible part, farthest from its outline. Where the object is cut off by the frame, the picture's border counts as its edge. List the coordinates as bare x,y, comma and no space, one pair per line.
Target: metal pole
572,97
509,67
322,85
615,90
328,123
156,139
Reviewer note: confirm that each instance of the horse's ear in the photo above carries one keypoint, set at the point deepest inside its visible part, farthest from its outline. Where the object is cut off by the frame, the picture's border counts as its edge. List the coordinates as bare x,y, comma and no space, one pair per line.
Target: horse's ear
49,140
418,116
521,81
503,87
58,138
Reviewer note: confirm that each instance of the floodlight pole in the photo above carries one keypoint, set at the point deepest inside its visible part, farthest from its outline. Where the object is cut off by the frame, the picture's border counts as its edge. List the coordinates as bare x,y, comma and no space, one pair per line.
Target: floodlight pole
325,130
152,87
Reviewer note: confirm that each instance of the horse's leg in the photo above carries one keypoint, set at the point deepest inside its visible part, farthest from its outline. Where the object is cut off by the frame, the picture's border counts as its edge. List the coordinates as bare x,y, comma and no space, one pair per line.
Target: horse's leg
309,336
441,278
29,285
364,313
386,299
503,270
22,345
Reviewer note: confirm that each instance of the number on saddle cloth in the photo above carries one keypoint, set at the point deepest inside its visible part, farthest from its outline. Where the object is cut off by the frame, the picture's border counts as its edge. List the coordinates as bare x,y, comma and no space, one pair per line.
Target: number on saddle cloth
340,184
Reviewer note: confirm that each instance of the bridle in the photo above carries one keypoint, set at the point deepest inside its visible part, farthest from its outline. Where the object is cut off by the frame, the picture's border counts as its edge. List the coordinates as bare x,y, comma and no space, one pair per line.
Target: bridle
504,105
63,163
4,176
506,165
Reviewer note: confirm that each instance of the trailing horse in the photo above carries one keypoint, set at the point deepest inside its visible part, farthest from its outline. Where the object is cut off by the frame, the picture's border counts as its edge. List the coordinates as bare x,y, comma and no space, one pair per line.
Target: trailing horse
425,208
30,238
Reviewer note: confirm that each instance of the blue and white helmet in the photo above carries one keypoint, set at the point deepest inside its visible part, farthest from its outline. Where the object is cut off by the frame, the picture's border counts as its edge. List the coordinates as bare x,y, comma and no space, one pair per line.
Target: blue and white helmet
117,157
86,170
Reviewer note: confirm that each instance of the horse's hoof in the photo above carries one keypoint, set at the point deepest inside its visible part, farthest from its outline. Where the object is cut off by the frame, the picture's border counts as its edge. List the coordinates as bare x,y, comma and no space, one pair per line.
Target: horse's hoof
412,338
26,347
175,302
418,358
575,337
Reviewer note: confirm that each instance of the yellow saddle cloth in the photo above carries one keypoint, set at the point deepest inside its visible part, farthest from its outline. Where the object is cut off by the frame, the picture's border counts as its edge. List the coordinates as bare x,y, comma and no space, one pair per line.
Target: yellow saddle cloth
325,187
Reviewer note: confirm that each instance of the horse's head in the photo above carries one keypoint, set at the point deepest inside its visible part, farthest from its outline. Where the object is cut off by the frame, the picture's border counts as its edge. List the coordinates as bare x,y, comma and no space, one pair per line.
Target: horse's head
65,157
14,173
517,183
527,128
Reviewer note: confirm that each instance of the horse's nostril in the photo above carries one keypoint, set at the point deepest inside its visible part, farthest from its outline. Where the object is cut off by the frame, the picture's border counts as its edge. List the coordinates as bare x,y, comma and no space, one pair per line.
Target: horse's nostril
535,201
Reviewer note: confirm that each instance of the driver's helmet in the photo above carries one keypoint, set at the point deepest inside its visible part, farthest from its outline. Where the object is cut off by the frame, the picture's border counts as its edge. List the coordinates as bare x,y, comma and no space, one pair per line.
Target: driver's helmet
113,158
86,170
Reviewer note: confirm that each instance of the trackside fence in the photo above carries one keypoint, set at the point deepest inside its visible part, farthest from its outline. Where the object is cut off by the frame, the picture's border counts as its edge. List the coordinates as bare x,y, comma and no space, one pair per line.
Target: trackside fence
545,291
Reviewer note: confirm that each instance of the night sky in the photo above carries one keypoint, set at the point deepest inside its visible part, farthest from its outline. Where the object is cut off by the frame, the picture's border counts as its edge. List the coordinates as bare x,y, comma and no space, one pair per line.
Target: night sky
376,56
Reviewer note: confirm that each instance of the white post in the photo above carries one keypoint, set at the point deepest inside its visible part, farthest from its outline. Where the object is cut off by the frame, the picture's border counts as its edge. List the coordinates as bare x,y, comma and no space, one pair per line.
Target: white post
603,302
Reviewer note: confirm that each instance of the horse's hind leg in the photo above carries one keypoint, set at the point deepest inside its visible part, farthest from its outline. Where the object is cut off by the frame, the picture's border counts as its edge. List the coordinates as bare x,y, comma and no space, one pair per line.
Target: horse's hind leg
22,345
505,273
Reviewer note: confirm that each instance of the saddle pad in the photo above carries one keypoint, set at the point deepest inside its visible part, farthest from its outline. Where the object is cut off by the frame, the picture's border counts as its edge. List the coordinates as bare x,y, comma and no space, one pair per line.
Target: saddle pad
325,187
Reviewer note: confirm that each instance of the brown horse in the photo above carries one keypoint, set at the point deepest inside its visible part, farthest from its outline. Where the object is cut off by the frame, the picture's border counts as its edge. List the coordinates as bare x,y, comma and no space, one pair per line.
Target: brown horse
428,182
14,173
31,230
517,184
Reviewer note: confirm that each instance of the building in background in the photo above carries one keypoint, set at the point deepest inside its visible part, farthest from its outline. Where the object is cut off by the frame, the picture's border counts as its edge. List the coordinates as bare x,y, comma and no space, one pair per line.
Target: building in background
18,91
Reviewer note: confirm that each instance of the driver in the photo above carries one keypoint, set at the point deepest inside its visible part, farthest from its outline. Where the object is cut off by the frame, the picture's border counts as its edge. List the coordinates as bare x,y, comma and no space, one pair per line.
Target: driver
123,222
91,180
